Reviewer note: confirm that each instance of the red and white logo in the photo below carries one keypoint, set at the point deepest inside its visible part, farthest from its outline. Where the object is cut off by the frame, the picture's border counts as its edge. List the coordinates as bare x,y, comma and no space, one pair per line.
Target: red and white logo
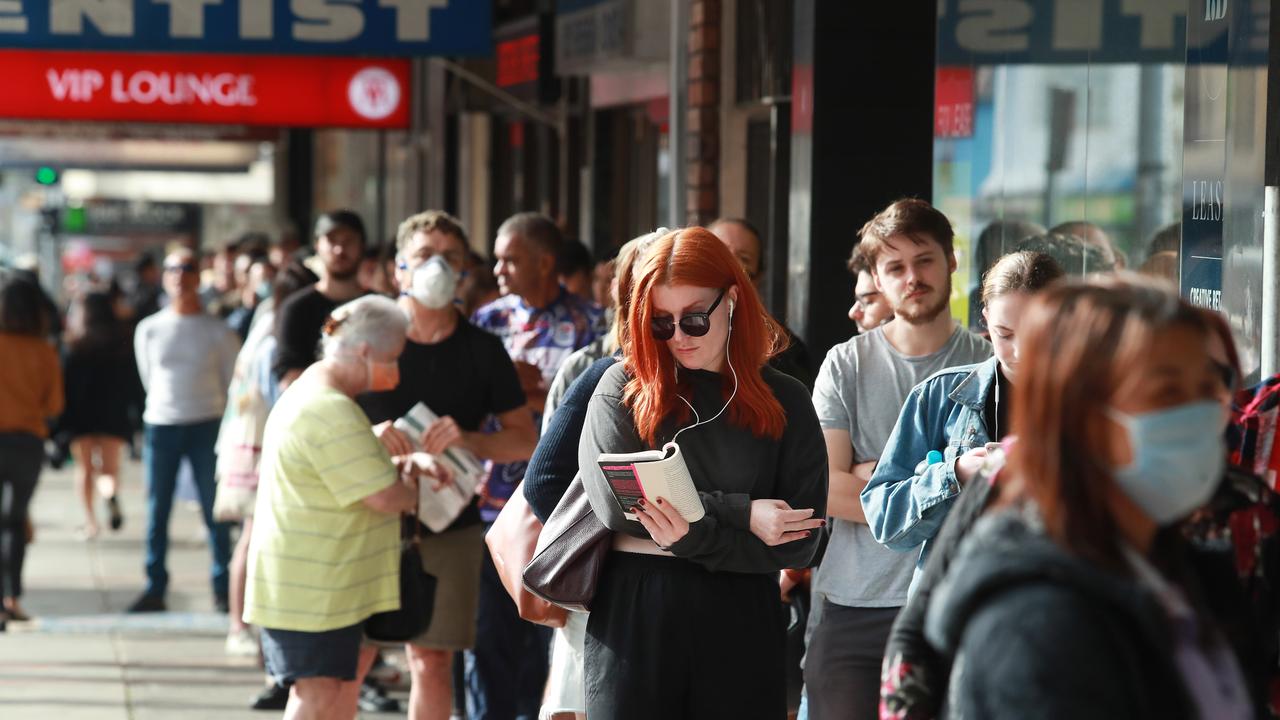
374,93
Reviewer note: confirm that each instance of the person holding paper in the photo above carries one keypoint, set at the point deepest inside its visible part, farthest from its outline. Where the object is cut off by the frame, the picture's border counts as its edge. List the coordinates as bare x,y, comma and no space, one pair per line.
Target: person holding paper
325,551
463,375
686,611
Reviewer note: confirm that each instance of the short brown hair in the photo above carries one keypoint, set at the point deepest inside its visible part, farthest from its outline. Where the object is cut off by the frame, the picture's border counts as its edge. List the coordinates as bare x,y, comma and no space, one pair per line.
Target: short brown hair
858,261
1022,271
430,221
916,219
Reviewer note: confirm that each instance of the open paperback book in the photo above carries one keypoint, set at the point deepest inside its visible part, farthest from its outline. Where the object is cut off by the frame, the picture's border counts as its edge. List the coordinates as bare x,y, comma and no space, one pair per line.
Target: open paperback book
438,508
652,474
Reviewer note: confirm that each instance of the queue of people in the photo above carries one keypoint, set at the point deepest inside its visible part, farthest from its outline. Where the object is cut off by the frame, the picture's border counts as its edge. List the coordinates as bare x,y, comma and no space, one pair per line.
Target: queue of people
994,520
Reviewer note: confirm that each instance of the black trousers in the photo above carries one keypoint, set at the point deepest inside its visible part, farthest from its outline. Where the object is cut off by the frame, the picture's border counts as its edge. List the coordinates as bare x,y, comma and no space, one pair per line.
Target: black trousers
21,457
669,639
842,667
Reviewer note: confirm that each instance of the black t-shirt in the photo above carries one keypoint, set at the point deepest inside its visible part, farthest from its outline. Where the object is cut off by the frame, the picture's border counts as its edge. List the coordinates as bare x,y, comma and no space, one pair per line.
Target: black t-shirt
467,376
995,412
298,323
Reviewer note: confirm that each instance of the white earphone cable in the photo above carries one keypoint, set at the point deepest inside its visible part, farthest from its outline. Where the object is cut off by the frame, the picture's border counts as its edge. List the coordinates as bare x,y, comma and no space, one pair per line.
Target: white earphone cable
732,395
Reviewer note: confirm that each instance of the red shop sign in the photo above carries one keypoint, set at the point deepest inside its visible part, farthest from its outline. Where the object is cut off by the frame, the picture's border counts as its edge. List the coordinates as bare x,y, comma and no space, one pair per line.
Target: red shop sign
205,89
953,103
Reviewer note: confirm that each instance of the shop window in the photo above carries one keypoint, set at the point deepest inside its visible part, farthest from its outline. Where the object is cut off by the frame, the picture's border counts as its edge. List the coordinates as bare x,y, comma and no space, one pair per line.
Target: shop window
762,49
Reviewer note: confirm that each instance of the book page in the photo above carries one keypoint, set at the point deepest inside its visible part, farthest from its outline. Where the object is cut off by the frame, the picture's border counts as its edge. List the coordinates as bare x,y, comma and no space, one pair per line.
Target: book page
680,488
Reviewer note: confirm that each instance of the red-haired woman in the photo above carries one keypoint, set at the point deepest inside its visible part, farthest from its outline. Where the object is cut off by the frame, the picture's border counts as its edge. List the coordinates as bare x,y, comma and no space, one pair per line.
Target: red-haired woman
687,620
1074,601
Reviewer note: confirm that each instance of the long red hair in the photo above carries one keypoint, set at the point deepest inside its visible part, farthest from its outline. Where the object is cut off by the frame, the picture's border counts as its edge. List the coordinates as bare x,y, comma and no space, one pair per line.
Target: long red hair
695,257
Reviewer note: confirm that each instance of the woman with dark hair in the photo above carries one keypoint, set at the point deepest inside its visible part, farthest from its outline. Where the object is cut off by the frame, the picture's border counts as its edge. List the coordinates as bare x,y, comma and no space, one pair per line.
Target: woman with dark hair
104,394
1072,600
687,619
30,394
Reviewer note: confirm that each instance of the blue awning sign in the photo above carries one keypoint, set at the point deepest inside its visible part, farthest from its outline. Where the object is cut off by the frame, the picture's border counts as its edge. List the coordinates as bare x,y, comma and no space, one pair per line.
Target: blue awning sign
326,27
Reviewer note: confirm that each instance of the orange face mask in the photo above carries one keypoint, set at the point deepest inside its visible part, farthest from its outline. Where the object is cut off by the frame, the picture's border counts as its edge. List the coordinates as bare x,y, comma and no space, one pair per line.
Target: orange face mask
382,375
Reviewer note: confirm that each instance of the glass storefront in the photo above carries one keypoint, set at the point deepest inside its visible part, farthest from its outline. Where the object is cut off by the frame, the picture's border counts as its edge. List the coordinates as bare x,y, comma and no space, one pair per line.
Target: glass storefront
1135,128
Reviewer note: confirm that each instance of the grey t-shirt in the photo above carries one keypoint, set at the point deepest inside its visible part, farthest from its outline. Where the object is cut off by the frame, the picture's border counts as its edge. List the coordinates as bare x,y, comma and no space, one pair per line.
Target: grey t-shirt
186,363
861,388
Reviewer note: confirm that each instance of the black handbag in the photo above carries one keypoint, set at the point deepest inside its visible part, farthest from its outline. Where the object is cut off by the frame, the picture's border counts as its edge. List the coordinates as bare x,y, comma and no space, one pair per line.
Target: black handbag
417,593
571,551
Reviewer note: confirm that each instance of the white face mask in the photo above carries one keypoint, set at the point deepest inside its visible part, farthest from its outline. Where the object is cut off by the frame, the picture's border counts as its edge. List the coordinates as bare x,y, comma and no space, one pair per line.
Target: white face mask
434,283
1178,458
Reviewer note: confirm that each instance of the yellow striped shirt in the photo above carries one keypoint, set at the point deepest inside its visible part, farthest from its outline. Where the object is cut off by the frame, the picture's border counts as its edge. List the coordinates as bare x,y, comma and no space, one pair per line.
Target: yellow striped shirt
319,558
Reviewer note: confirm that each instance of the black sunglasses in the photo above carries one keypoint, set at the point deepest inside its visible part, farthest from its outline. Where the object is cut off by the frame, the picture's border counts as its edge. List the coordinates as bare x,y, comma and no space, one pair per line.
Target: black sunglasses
182,268
694,324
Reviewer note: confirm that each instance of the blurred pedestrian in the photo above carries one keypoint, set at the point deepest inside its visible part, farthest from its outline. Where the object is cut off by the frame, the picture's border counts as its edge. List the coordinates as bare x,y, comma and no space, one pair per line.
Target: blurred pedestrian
574,265
340,243
257,272
185,359
30,395
378,270
147,294
1073,599
744,241
325,552
602,279
220,287
104,395
478,286
869,310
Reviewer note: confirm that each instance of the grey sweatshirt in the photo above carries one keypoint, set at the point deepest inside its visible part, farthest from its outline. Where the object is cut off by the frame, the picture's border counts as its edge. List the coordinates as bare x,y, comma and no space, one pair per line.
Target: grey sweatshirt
730,467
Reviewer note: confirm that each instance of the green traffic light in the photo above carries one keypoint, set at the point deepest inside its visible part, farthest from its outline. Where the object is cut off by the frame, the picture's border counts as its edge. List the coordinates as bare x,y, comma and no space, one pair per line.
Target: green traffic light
46,176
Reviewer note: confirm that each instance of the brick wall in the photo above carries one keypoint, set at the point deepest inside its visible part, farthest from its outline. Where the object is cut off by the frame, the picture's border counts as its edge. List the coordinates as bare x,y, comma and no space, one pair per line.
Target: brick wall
703,123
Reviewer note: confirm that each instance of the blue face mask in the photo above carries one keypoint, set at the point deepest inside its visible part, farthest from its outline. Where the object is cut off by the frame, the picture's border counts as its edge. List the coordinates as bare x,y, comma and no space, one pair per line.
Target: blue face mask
1178,458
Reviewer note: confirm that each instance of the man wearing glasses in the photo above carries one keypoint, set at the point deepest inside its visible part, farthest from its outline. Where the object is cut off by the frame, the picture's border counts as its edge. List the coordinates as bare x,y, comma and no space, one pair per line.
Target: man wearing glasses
185,359
464,375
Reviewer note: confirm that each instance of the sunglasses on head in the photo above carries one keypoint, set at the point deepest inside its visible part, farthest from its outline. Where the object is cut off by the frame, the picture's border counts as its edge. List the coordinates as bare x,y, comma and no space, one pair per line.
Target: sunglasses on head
694,324
181,267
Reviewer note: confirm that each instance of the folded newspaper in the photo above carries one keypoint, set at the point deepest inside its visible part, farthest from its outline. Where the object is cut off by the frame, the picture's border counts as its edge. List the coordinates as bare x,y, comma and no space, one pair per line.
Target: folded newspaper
438,508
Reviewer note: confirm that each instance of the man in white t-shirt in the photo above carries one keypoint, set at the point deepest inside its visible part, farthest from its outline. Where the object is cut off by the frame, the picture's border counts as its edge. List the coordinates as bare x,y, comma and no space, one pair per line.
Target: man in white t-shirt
185,359
859,392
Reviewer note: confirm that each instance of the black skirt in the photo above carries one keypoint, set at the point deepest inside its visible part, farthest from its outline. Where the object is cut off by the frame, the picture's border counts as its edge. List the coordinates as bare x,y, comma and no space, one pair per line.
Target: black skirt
668,638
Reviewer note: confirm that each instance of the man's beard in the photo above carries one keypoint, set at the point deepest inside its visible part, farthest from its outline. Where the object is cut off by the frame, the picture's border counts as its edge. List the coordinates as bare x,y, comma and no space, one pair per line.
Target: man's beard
342,273
929,313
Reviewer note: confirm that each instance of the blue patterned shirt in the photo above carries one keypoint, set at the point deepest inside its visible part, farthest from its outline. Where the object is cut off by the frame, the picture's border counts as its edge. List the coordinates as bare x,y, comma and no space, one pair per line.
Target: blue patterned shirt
542,337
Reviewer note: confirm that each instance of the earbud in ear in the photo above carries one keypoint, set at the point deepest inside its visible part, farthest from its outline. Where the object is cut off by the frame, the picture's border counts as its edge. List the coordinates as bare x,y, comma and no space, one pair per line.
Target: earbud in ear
730,309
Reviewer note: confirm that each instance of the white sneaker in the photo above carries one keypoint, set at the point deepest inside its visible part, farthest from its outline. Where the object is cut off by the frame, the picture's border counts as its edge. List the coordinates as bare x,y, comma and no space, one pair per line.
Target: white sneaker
242,643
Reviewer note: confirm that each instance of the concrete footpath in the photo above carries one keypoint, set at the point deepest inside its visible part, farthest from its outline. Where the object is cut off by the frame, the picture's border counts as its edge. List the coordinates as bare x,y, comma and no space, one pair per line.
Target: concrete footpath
81,657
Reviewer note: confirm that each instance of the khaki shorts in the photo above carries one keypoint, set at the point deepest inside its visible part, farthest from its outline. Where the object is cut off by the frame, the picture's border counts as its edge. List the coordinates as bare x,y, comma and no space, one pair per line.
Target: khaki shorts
454,558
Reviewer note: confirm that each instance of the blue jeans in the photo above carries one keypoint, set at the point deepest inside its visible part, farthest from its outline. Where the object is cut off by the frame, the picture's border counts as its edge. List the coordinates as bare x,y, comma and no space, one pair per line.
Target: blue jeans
164,448
506,672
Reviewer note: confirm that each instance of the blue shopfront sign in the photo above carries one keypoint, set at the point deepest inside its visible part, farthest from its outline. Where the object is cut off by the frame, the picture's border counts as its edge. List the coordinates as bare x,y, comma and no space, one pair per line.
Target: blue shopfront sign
324,27
1054,32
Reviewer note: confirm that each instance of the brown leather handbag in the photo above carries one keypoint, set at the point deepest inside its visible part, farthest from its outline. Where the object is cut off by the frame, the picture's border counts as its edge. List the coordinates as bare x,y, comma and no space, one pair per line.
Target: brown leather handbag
570,553
511,541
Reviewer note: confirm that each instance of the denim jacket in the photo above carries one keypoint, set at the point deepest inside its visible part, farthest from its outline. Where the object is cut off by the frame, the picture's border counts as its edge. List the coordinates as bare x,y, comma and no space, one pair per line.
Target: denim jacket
906,500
